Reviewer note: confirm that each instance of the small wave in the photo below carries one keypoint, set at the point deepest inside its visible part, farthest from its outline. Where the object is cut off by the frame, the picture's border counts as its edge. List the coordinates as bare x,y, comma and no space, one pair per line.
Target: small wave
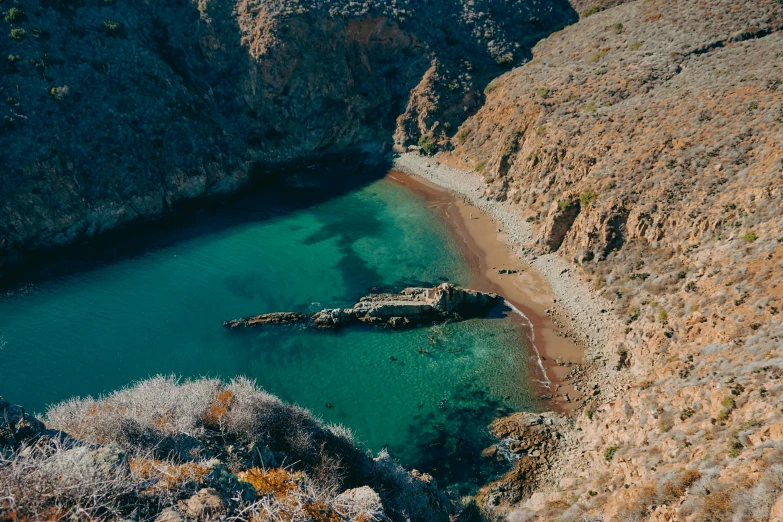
519,312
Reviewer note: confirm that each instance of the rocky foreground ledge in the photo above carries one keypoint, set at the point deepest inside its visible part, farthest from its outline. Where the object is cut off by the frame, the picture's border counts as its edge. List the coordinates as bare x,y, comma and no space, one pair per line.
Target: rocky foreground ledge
410,308
166,450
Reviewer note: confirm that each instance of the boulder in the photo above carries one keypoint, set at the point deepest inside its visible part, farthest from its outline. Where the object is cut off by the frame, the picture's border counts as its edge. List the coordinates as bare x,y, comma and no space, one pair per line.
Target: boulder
361,504
17,426
204,505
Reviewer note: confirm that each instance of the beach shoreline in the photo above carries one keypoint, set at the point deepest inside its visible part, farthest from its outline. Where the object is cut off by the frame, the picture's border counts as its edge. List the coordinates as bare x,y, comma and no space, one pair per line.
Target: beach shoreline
494,237
526,291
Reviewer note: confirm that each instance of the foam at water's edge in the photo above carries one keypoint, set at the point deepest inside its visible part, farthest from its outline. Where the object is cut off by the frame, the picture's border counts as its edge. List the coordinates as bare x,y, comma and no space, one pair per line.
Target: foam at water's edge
519,312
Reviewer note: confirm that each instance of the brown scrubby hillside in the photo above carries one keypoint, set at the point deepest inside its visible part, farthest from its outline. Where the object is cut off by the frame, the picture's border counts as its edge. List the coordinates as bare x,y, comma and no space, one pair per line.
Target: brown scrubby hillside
645,145
117,112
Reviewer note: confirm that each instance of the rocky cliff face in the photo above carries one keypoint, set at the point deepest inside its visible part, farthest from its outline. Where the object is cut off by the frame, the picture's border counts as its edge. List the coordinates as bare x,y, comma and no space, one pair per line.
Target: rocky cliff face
116,112
644,145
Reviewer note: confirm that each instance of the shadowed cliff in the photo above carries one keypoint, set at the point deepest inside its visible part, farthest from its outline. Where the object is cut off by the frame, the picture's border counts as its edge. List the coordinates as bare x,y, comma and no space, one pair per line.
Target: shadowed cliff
118,112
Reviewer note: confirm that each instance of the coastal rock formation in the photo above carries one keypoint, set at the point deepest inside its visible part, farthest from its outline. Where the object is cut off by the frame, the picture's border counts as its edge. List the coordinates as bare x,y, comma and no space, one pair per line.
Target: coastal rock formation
123,112
412,307
111,465
275,318
643,144
533,440
17,426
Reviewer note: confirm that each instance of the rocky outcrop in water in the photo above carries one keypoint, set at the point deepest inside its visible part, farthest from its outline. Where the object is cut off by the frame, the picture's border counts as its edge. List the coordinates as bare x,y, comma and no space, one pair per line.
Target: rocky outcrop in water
411,307
276,318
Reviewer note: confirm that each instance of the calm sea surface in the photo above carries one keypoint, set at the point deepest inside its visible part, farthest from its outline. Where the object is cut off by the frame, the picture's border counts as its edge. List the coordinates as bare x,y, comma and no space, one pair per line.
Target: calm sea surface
158,307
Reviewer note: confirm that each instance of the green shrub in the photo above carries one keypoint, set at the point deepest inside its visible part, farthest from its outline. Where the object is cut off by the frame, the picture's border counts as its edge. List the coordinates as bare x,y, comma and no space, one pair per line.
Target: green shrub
687,413
597,56
735,446
489,88
18,34
635,46
462,135
564,205
14,15
609,453
587,197
543,92
112,27
618,28
750,237
593,10
480,166
428,146
453,85
507,60
59,93
662,316
589,414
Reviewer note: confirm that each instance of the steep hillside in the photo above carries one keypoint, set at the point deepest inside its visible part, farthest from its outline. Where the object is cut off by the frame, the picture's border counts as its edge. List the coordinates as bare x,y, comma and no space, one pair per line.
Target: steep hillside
116,112
645,145
198,450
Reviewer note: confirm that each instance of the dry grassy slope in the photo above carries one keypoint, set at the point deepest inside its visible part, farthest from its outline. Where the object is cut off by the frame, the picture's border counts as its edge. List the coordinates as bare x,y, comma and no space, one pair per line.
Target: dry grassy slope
646,144
114,112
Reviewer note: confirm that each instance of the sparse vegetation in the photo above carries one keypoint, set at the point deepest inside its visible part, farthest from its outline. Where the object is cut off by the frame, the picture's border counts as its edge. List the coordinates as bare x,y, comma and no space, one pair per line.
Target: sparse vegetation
591,11
586,198
14,15
480,166
18,34
750,237
59,93
428,146
563,205
609,453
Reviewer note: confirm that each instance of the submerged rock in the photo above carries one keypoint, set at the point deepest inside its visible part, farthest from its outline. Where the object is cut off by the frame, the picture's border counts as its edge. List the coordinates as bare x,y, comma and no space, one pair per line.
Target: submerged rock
267,319
411,307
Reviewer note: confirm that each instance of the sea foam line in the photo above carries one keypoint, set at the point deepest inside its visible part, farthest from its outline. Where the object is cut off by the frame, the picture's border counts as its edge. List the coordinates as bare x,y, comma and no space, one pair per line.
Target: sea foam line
547,382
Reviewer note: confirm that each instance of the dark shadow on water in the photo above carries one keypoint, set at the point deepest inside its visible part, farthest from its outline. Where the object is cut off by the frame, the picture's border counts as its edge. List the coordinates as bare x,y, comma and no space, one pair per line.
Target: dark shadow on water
448,443
286,193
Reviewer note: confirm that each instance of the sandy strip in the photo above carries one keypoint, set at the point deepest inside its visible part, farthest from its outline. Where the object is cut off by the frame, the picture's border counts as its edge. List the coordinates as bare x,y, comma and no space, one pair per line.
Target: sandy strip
496,237
527,291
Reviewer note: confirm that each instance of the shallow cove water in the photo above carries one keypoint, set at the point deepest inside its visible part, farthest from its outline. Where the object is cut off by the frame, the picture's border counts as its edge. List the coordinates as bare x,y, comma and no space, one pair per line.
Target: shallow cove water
426,394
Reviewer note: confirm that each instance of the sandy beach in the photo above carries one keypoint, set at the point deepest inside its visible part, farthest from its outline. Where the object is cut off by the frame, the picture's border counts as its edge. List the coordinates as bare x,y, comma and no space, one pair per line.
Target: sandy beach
489,253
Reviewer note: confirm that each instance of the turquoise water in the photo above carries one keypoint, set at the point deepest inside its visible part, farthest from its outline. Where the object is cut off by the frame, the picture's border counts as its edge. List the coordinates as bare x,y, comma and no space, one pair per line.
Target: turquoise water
157,305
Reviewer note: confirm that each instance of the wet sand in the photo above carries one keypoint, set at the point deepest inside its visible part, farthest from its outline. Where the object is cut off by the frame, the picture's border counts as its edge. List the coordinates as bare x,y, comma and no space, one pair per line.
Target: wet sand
487,251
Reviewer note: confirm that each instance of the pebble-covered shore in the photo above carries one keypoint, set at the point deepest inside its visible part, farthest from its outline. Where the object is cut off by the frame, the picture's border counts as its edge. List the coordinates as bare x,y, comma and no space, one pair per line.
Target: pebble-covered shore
579,310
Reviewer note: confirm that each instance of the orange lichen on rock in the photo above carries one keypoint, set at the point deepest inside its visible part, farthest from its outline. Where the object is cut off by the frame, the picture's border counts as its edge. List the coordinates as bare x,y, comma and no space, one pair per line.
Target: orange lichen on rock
168,475
219,408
